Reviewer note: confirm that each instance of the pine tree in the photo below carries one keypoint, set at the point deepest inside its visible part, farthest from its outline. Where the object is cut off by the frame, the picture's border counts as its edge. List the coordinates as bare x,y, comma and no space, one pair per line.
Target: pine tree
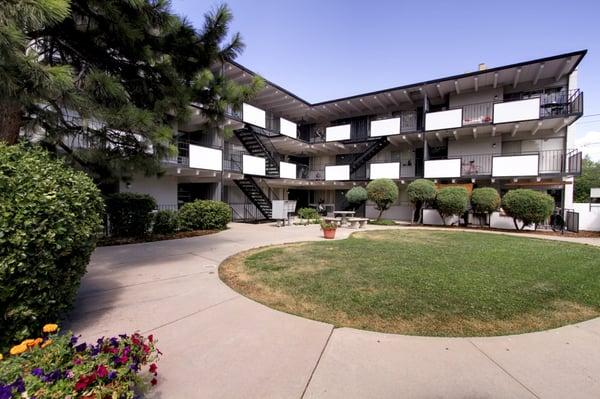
104,81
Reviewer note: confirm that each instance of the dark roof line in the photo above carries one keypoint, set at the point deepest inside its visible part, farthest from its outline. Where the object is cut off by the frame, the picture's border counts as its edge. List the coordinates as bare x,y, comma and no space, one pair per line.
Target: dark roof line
580,53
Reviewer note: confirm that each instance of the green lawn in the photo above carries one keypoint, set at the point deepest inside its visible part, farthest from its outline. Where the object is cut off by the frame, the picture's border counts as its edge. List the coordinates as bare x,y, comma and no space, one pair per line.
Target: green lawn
426,282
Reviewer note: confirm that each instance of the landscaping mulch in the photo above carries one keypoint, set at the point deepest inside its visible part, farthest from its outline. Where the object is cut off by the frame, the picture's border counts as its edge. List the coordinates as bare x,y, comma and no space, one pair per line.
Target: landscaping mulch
110,241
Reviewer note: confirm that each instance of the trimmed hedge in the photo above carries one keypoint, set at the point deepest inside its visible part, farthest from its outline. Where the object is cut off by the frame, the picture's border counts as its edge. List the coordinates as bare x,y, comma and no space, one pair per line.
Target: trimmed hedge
528,206
50,215
421,192
452,201
204,215
309,214
484,201
130,214
165,222
383,192
357,195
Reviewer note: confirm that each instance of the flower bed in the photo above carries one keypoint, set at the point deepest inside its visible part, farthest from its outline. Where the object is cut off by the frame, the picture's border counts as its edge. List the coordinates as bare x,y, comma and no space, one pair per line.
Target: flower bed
58,366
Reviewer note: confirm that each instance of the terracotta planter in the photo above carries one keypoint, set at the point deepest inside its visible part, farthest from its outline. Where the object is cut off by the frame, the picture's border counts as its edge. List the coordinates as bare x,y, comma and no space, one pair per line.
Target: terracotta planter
329,233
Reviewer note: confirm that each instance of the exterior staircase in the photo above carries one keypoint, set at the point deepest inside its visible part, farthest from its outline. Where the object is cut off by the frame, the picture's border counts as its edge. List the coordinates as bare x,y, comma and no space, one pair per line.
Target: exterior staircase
256,195
369,153
253,144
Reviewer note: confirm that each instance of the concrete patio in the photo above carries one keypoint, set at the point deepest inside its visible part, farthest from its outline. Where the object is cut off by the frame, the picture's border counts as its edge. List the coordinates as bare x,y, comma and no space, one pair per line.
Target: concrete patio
219,344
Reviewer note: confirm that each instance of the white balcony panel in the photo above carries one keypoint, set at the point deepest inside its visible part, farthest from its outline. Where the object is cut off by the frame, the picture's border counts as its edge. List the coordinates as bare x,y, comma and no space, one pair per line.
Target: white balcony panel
287,170
513,111
336,133
442,168
254,115
205,158
288,128
388,170
595,192
443,119
385,127
514,166
337,172
253,165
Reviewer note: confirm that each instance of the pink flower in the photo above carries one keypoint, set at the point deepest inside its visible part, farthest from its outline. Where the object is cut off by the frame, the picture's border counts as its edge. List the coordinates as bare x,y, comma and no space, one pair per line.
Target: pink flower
153,368
153,381
102,371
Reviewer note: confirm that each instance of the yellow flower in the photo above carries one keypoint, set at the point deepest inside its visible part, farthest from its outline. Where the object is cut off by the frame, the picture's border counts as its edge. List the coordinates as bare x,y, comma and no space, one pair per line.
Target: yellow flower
1,357
45,344
37,341
50,328
28,342
18,349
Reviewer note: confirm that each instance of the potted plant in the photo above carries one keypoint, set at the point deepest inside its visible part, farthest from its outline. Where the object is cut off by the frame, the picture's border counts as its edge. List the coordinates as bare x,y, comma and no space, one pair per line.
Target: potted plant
328,229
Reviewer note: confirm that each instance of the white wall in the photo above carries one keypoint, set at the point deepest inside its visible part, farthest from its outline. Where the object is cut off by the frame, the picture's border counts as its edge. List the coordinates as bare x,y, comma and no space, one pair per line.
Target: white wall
335,133
589,219
288,128
253,115
385,127
443,119
253,165
518,165
395,212
337,172
479,146
499,221
442,168
287,170
388,170
432,217
514,111
162,189
205,158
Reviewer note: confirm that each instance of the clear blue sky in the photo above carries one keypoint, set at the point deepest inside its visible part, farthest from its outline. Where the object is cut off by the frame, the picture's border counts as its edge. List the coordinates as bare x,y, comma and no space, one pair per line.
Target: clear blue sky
327,49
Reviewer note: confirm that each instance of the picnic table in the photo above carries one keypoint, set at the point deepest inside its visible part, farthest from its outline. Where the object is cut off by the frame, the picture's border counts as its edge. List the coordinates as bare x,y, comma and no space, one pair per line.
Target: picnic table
344,215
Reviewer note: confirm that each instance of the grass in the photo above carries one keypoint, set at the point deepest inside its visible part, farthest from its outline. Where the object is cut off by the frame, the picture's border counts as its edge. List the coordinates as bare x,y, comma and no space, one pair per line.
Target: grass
383,222
426,282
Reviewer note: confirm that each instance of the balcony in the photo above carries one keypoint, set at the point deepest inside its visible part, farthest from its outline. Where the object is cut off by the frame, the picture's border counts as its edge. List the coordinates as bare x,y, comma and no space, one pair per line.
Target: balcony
518,108
525,164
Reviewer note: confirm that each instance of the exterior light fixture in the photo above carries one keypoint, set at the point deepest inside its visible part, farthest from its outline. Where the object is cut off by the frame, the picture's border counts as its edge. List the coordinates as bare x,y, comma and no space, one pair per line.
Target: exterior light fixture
178,171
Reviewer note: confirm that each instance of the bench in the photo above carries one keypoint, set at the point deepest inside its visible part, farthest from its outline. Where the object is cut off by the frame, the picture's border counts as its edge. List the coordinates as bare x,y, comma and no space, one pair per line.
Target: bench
336,221
357,222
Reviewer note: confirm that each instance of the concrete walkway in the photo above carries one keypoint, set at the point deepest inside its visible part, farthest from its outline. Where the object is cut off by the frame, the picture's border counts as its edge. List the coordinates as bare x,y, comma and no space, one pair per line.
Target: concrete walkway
219,344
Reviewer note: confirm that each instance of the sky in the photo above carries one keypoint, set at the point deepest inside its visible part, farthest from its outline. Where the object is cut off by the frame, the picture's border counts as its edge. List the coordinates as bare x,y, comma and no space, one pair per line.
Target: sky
326,49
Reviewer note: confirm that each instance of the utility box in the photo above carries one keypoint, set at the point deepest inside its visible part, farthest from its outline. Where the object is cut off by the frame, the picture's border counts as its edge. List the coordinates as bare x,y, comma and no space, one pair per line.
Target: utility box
282,209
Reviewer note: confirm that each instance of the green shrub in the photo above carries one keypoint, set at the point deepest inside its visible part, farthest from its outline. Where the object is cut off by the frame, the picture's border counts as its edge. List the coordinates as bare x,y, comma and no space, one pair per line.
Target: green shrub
308,214
165,222
130,214
356,196
452,201
204,215
484,200
421,192
382,222
383,192
528,206
49,217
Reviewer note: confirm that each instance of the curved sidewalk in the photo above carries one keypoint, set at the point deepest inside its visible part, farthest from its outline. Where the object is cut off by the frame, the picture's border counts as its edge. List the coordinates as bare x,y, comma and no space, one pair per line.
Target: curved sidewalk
219,344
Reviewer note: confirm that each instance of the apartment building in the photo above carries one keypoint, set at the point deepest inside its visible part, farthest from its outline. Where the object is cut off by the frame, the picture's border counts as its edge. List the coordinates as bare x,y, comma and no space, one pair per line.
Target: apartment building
505,127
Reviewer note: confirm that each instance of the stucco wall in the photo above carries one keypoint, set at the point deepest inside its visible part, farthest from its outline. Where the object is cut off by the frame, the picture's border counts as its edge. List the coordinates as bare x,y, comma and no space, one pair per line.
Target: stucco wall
163,189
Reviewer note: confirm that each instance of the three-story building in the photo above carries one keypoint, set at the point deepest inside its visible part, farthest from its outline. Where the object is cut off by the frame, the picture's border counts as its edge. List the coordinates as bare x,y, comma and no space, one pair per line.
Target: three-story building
504,127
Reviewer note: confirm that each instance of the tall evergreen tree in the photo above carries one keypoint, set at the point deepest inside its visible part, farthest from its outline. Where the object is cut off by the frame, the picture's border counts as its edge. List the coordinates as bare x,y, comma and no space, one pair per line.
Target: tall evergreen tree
103,81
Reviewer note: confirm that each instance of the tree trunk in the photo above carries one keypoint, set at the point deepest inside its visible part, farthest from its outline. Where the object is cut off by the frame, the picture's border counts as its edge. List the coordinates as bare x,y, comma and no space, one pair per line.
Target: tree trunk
417,213
11,119
516,224
380,213
443,218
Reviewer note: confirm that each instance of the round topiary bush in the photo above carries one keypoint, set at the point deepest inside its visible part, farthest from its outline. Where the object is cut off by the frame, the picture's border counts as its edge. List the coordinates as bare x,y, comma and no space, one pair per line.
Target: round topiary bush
484,201
50,215
130,214
452,201
421,192
204,215
383,192
309,214
356,196
528,206
165,222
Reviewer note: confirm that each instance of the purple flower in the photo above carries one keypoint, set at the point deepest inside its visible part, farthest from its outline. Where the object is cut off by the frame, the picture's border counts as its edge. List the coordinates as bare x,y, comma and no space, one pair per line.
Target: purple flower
112,375
74,339
114,342
52,376
123,336
5,391
19,385
81,347
38,372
